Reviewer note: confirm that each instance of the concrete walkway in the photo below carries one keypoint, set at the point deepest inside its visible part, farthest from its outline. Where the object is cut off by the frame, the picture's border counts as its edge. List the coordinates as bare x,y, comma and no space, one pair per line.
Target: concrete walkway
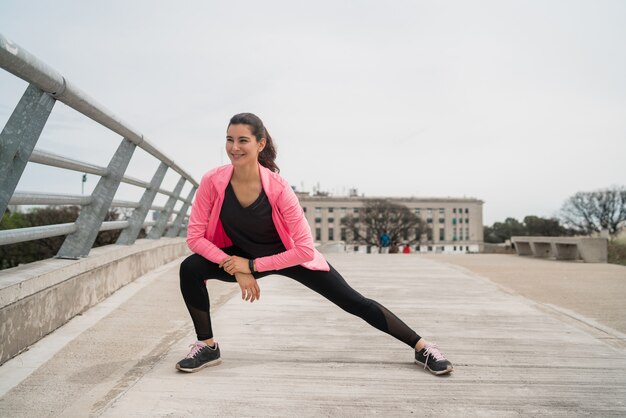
295,354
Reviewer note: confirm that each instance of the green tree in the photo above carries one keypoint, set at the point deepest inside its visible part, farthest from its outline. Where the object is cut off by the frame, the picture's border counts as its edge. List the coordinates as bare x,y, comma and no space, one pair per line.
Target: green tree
532,225
502,231
544,227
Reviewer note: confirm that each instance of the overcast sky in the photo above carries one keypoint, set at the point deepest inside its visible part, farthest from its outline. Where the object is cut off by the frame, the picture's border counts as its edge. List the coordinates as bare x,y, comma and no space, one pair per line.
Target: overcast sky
518,103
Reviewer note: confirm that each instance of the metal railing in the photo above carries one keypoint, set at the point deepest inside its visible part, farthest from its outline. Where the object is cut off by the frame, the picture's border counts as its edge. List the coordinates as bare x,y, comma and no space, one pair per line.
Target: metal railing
17,148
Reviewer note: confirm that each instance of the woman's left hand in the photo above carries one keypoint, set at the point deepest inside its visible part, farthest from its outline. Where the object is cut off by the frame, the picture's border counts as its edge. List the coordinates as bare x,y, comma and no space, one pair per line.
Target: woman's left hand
235,264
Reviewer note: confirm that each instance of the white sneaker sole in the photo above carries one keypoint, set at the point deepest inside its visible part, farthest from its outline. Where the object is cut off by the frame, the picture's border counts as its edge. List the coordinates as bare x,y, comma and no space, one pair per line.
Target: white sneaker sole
197,369
435,372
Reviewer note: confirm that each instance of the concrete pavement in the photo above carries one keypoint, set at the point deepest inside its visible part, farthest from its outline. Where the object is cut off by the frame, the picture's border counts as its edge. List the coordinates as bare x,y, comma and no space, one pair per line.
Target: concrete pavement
295,354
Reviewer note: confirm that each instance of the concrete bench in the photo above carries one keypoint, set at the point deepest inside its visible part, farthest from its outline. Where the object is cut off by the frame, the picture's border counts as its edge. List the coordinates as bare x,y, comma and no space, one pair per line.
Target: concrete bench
590,250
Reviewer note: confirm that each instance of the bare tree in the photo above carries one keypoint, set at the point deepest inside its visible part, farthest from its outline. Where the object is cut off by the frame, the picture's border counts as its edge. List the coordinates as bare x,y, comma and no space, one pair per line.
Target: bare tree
379,216
593,211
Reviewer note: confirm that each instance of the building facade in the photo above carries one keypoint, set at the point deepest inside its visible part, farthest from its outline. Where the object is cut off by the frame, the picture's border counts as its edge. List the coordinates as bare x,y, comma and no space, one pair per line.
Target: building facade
456,225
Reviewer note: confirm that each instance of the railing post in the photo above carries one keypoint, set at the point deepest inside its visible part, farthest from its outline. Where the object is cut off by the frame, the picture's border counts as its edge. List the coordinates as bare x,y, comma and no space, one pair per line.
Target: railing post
18,139
91,217
174,230
129,235
157,230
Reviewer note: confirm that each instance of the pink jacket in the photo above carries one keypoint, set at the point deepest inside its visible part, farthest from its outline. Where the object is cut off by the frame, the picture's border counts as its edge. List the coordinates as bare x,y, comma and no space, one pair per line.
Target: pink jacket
206,235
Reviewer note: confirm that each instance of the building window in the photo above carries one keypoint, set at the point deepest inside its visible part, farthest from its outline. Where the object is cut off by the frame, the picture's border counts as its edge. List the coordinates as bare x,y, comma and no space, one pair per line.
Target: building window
405,234
318,219
454,234
331,220
429,220
318,234
441,220
417,211
304,209
442,234
318,210
429,234
355,211
343,234
430,213
331,234
342,212
466,210
454,210
453,221
467,234
460,234
442,212
331,210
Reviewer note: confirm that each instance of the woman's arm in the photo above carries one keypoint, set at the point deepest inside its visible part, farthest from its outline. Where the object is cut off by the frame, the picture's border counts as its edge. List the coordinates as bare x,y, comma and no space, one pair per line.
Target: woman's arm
199,222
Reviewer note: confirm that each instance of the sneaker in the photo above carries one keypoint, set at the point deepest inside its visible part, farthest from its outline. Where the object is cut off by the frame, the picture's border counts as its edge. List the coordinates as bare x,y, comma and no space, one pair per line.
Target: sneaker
432,359
200,356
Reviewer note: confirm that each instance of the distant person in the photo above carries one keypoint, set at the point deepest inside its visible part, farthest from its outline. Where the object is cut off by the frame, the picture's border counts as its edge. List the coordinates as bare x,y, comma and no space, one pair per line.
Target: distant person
246,223
394,249
406,249
384,242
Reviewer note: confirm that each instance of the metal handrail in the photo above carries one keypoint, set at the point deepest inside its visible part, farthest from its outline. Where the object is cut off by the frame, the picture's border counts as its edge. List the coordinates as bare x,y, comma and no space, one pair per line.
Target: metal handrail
15,236
53,160
18,140
38,198
21,63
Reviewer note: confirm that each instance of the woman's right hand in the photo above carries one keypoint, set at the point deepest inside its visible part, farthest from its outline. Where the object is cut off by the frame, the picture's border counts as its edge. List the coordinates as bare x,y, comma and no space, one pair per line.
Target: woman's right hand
249,287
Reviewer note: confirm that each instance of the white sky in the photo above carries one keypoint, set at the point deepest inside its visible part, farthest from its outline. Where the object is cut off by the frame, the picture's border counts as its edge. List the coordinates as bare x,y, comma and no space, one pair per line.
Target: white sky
518,103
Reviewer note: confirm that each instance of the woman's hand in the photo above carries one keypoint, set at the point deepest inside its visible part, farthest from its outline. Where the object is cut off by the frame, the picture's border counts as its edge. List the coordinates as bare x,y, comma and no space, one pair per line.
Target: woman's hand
249,287
233,265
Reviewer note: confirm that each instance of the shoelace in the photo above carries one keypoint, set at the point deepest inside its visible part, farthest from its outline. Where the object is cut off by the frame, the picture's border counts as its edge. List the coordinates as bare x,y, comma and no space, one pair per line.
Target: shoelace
196,347
431,349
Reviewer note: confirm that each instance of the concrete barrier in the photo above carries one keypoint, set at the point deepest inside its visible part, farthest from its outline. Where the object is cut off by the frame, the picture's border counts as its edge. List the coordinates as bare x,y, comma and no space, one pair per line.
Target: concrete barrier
488,248
590,250
37,298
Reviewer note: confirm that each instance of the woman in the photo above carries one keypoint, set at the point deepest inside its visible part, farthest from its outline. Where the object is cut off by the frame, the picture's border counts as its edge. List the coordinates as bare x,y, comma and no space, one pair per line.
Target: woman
246,223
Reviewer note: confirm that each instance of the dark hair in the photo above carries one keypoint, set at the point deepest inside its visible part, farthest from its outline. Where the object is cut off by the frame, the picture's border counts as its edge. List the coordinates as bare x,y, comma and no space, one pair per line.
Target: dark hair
268,155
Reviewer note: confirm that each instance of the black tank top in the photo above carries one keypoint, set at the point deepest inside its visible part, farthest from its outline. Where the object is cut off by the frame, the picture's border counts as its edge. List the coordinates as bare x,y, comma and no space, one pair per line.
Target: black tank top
251,228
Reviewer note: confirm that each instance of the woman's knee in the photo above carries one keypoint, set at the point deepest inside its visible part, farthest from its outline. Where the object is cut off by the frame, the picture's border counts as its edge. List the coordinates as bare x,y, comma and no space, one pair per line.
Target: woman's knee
193,266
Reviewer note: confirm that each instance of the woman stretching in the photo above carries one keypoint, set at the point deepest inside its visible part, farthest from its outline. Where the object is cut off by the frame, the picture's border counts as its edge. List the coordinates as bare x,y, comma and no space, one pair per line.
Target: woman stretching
246,223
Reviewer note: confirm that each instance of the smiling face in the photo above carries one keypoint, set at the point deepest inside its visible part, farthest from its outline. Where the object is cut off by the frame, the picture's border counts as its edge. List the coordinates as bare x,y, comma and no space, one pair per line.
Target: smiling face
242,146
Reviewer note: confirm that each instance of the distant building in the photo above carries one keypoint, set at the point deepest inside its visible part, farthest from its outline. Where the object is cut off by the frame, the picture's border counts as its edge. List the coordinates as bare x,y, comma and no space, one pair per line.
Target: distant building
456,224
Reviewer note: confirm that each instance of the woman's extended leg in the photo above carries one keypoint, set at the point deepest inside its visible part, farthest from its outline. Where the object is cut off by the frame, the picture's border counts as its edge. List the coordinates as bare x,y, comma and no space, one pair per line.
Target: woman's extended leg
333,287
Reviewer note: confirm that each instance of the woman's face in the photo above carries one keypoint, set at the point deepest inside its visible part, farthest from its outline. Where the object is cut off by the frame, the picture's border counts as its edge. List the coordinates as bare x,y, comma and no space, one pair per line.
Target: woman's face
241,145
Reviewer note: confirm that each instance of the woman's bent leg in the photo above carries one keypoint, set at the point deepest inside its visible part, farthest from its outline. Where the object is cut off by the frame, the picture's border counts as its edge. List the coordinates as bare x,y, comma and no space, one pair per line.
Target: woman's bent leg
194,271
333,287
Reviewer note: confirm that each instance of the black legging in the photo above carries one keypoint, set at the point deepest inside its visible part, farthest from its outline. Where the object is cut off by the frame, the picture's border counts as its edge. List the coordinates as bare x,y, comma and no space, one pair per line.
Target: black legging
195,269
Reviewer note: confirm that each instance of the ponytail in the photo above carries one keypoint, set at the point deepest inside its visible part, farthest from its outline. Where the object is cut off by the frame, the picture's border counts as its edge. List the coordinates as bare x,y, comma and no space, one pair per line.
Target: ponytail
267,157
